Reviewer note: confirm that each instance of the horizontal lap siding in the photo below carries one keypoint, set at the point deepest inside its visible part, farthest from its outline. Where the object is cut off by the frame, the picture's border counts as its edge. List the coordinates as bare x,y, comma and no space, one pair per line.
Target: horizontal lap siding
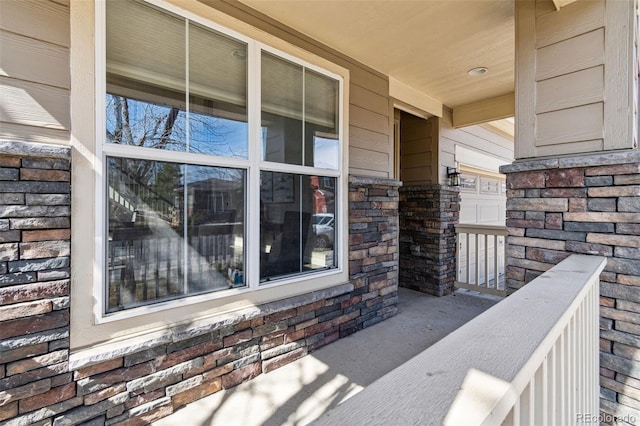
418,150
562,69
34,71
369,115
570,93
475,138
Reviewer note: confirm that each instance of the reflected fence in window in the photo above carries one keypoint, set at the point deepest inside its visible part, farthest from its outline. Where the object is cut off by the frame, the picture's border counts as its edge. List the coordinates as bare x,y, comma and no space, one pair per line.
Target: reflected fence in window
153,205
144,267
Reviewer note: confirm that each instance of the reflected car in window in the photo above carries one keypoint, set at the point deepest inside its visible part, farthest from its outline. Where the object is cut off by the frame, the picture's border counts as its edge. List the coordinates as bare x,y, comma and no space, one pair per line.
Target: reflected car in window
323,229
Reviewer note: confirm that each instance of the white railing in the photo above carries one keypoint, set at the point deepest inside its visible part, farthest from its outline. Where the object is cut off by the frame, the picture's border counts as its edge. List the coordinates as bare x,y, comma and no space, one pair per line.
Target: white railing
531,359
481,258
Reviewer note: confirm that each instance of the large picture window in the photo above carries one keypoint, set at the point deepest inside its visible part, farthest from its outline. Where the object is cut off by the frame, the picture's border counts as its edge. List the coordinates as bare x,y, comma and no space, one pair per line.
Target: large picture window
194,161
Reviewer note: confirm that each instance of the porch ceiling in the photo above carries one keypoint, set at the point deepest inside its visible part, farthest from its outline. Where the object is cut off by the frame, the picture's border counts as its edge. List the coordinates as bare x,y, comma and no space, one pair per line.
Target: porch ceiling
426,44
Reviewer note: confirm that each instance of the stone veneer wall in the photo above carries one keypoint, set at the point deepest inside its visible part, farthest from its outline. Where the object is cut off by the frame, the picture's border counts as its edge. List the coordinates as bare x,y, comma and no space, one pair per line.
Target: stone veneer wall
587,205
38,385
428,215
35,244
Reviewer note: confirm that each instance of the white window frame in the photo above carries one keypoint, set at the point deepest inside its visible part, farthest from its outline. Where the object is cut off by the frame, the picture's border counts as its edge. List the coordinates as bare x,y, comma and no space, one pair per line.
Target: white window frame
253,166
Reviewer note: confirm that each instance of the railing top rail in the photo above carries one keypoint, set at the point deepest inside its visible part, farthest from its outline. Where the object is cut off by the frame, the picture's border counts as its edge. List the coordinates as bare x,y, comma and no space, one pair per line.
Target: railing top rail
497,346
471,228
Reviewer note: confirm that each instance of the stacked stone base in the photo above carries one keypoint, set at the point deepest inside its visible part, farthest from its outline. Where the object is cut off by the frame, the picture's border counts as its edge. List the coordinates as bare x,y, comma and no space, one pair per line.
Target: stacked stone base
586,205
43,383
428,215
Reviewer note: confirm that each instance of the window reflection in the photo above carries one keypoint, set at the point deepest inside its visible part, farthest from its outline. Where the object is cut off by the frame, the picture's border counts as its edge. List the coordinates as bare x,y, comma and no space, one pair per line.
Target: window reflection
297,224
141,123
152,205
146,102
299,115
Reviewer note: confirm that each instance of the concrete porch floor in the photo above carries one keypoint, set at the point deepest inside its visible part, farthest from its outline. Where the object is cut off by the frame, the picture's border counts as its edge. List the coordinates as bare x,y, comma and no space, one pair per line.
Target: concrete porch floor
300,392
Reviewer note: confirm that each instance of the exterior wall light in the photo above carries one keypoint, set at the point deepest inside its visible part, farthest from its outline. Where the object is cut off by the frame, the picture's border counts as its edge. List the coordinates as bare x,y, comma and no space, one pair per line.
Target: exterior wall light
454,176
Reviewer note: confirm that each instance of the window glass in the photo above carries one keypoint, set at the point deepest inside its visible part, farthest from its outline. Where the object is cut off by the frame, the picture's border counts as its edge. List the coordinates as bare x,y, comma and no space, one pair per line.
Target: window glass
152,205
321,115
282,111
468,183
145,58
488,185
215,215
299,115
217,94
177,229
147,81
297,224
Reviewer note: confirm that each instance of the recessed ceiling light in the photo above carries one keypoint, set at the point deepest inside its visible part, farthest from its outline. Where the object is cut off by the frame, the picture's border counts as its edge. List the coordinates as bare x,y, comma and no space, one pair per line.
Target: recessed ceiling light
478,71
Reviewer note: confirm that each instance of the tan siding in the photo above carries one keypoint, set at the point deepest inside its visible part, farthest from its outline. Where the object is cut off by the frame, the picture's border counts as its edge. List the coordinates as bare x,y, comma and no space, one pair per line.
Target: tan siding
362,77
543,7
571,148
23,58
416,147
365,159
39,19
575,73
620,71
20,132
586,16
34,104
418,150
579,88
416,161
577,53
34,70
369,100
366,119
570,125
368,140
469,137
370,124
367,172
525,16
416,176
472,138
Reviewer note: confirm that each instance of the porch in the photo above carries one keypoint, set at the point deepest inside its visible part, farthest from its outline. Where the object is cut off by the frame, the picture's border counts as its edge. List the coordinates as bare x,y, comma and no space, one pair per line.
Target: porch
303,390
548,375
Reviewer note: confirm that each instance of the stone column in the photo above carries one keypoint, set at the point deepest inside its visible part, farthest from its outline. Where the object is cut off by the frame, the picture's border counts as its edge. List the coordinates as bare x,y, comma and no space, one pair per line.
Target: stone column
428,215
587,205
373,248
575,187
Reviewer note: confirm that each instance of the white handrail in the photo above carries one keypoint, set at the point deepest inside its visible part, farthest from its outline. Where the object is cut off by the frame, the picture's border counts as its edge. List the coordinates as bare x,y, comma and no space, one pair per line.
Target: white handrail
464,228
530,359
